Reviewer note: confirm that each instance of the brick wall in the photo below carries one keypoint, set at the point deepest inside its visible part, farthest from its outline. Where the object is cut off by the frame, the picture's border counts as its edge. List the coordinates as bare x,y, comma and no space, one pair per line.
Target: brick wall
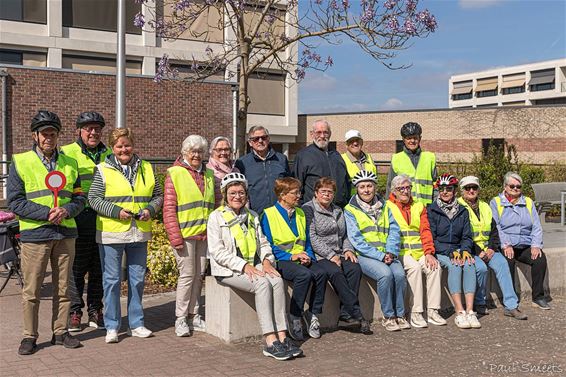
538,132
161,115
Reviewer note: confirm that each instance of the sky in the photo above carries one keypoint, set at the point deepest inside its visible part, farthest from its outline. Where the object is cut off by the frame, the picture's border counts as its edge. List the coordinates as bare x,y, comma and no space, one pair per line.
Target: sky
472,35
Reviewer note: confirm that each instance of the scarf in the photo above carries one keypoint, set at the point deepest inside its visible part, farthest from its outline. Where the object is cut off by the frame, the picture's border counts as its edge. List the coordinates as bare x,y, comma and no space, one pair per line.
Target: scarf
372,209
450,209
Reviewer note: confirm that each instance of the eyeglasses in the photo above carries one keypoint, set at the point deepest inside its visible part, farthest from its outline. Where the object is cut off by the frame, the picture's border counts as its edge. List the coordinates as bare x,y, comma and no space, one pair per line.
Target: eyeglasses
325,133
326,192
234,194
470,188
222,150
404,188
513,187
446,188
255,139
196,153
295,193
95,129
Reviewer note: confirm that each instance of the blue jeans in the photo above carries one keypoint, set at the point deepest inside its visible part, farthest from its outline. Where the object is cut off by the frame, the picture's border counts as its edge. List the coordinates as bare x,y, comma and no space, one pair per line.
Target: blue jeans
136,262
391,284
501,268
455,274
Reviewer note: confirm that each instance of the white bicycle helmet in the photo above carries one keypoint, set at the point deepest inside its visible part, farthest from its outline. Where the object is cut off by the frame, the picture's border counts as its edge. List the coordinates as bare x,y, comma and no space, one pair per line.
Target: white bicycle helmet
233,177
363,176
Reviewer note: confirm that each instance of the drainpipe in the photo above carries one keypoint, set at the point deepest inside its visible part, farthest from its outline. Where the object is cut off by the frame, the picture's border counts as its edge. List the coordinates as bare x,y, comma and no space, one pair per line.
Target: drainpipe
4,76
235,119
121,66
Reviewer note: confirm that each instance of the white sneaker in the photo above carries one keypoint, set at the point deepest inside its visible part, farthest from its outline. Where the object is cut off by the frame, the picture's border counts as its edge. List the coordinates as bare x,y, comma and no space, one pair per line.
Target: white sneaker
473,320
313,325
111,336
196,323
390,324
403,324
182,327
435,318
417,320
140,332
462,321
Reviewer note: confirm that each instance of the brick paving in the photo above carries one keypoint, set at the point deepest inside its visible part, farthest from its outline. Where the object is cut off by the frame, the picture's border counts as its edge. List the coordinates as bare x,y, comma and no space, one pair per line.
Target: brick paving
503,346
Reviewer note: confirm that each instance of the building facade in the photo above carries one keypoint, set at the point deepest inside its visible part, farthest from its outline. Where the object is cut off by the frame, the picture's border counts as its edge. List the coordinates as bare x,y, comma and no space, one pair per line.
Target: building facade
542,83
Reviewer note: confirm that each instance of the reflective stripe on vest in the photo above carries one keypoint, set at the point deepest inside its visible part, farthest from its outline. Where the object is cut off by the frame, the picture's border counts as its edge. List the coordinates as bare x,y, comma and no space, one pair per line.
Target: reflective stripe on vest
283,236
119,191
528,203
481,228
246,243
410,233
374,234
193,207
421,177
32,172
85,163
353,168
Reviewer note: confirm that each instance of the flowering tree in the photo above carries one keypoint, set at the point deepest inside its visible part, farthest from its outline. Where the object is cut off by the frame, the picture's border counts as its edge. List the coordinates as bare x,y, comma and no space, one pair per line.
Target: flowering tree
267,34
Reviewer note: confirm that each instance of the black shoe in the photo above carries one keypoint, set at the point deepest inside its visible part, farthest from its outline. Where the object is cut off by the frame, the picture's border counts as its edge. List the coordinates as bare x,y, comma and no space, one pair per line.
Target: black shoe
277,351
66,340
96,319
541,304
292,348
28,346
365,327
515,313
348,322
481,309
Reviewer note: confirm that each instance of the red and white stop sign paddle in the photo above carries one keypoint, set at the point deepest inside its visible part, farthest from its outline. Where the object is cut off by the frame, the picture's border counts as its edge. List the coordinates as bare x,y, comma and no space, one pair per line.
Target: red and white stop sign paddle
55,181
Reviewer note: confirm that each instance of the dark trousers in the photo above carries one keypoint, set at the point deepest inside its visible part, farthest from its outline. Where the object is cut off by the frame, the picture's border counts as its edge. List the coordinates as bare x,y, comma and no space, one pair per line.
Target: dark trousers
302,277
538,269
87,260
346,282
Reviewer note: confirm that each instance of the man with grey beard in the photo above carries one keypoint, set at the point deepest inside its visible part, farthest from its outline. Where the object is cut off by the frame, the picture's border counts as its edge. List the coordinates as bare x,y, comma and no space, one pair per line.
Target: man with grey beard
316,161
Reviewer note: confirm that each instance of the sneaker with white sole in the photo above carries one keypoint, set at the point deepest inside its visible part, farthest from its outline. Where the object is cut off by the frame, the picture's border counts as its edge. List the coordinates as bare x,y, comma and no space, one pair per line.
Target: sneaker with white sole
182,327
140,332
417,320
196,323
390,324
461,320
111,336
403,324
473,320
296,328
434,317
313,325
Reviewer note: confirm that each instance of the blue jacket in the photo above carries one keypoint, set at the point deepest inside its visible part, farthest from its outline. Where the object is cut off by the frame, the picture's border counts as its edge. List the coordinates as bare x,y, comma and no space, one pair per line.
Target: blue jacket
261,176
281,254
450,235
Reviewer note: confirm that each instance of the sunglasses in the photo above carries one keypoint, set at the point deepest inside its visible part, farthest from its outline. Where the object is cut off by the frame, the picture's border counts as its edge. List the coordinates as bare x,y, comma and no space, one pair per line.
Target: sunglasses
255,139
446,188
470,188
513,187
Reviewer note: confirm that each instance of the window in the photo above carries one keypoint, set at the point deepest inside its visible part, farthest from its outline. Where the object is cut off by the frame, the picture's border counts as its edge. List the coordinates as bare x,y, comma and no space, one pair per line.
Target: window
486,93
486,87
34,11
267,93
458,97
514,90
542,80
26,58
497,144
98,15
96,64
208,26
399,146
10,57
540,87
461,90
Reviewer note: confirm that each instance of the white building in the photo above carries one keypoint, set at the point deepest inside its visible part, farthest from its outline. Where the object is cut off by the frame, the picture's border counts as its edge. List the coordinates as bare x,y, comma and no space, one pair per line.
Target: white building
542,83
81,35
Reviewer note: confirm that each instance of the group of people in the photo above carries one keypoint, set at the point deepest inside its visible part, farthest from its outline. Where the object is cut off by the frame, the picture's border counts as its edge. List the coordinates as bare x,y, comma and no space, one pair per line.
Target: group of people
260,224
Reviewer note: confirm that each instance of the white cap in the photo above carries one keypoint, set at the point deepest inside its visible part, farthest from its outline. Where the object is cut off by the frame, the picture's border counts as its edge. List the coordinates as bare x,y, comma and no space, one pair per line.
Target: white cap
469,180
352,134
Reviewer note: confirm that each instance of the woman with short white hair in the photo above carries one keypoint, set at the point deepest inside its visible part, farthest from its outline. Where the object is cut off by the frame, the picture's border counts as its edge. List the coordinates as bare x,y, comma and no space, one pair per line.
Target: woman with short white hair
221,163
520,233
189,200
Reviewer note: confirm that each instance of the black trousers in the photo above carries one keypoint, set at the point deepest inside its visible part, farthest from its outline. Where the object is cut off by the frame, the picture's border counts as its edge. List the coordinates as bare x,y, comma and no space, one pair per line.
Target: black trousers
87,260
538,269
302,277
346,282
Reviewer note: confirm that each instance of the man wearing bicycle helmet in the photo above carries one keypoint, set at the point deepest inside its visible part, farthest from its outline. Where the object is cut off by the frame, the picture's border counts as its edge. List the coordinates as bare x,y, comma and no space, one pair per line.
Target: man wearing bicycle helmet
47,231
88,151
420,166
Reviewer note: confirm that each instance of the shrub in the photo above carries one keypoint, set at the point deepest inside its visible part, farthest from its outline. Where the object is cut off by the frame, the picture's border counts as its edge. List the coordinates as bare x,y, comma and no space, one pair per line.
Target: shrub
555,172
161,258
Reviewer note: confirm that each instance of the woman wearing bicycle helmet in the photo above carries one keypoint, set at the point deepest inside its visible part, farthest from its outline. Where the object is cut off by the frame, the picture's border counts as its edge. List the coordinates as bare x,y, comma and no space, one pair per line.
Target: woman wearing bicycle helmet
241,258
453,242
376,237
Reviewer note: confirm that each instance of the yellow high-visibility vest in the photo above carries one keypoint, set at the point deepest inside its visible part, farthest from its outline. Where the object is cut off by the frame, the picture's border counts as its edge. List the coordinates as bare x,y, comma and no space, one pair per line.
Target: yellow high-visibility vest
374,232
481,228
421,177
119,191
246,243
410,233
353,169
32,172
193,207
283,236
528,203
85,163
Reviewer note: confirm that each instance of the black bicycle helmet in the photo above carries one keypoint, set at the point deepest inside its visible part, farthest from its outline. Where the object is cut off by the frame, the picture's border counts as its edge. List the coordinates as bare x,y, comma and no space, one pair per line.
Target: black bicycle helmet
45,118
411,129
90,117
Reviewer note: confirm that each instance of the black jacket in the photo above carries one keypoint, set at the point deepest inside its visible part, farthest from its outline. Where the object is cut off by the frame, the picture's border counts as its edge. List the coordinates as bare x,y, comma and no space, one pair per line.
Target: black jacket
450,234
